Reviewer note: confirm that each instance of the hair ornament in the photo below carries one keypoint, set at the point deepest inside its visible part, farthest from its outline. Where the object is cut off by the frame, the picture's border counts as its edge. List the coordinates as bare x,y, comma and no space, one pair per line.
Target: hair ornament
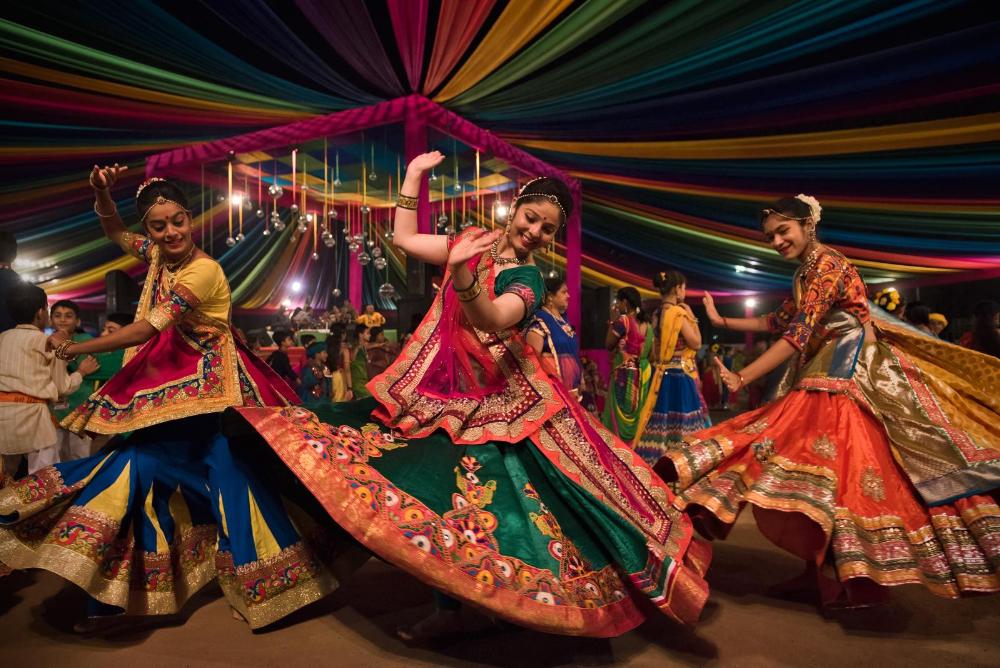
147,182
551,198
815,210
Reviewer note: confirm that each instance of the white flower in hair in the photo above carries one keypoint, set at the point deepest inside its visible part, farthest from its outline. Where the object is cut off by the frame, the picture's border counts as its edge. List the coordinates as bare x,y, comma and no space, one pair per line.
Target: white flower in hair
814,208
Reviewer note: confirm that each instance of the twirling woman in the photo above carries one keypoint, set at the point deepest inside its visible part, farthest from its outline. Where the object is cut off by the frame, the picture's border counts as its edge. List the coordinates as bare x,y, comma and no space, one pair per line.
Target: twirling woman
630,338
154,516
553,339
471,468
879,463
674,407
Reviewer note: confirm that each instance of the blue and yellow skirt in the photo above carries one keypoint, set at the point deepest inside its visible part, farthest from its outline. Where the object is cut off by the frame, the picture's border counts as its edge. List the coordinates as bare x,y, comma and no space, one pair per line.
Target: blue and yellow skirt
153,517
678,412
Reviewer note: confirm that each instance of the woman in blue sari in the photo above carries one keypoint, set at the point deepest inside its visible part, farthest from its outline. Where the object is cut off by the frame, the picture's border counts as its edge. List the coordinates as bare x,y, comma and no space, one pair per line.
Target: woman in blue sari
554,339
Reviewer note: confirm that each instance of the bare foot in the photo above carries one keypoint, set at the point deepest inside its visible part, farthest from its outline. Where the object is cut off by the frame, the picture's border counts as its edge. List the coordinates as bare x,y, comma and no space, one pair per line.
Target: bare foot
437,626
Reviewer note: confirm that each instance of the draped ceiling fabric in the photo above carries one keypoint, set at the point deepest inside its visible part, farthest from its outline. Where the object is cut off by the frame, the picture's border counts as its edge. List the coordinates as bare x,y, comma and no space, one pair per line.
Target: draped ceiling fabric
679,119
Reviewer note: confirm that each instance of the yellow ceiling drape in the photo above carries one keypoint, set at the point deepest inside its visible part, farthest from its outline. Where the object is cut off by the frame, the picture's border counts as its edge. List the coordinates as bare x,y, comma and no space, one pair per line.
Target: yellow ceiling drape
519,23
924,134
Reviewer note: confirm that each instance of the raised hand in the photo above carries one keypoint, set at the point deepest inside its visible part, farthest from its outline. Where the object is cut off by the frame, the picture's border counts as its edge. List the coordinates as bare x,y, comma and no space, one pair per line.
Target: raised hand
473,243
88,365
102,178
713,313
425,161
732,380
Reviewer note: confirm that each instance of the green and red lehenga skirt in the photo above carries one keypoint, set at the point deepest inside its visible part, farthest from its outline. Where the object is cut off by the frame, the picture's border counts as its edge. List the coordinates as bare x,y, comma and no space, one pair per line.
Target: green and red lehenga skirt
497,524
865,470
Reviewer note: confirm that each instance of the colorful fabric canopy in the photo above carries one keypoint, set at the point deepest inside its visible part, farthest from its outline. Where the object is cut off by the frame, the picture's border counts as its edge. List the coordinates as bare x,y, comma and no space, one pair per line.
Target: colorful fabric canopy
680,119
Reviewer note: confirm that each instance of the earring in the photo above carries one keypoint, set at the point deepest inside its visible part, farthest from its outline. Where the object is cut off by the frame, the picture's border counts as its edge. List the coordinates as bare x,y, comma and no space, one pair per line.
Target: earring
812,235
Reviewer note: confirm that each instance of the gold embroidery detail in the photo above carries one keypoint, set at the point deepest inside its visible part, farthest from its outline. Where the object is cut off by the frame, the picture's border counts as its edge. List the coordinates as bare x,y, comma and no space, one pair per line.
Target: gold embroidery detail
871,485
825,447
757,427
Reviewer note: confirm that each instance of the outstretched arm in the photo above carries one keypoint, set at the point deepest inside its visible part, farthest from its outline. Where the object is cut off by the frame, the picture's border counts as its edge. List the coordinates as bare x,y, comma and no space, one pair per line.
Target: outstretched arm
102,180
134,334
432,248
758,324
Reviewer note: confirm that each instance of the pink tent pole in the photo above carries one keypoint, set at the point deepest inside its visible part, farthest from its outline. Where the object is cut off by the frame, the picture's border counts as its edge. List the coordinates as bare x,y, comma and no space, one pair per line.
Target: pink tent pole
574,256
415,143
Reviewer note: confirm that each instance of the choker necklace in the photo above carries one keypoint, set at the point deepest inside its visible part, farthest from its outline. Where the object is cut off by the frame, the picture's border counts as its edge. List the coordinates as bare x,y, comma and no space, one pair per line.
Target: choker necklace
810,260
498,261
173,267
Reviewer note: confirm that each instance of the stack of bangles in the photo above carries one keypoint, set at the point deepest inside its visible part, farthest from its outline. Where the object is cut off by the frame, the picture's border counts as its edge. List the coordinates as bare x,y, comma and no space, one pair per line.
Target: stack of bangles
61,349
470,293
407,202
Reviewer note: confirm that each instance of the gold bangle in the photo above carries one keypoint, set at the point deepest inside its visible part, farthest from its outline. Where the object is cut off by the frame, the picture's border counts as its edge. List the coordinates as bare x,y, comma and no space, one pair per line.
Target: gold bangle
60,351
471,293
106,215
454,285
407,202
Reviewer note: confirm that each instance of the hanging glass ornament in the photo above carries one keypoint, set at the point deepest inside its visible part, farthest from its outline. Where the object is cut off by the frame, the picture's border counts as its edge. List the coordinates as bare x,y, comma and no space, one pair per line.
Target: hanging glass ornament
370,243
329,241
433,176
337,182
332,215
260,213
376,252
386,290
315,256
220,198
364,258
458,187
279,224
359,238
354,246
365,210
467,224
553,273
240,237
379,263
248,204
389,235
336,292
230,242
372,177
450,229
266,232
302,227
275,191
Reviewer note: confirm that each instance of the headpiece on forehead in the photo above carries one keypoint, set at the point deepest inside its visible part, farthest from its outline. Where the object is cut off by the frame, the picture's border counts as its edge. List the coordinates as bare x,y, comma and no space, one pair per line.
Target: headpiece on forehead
523,194
160,199
783,209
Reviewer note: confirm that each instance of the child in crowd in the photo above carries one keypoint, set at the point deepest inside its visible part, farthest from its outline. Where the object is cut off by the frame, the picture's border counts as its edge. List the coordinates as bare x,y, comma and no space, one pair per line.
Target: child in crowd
30,379
65,317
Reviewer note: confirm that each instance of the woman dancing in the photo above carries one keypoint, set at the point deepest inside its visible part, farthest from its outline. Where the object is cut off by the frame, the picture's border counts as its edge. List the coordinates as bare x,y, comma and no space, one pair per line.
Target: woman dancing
674,407
154,516
554,340
630,338
880,461
480,474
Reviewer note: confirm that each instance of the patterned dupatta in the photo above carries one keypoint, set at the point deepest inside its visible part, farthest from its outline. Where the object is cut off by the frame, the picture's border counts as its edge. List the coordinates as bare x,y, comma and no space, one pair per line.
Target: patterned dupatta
475,385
